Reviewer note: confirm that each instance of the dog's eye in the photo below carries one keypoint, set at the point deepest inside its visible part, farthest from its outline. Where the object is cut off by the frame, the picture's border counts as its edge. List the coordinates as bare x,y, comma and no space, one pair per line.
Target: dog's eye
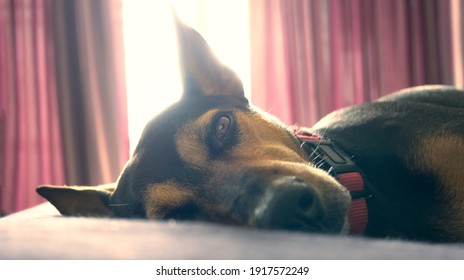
222,132
222,127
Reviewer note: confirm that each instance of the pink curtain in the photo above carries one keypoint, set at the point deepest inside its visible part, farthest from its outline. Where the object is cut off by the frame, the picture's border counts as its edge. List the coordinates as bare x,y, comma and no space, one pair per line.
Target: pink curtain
62,96
91,83
311,57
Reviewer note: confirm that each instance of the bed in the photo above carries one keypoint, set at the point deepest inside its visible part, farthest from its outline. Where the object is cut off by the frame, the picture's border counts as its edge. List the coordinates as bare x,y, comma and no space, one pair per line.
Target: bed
42,233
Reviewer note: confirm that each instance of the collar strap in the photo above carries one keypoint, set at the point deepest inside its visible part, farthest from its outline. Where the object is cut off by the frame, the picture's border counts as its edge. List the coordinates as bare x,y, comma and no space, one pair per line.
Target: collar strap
326,155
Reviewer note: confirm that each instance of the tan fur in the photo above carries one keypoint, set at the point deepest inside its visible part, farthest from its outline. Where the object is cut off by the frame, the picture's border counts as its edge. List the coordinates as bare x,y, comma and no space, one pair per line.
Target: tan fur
254,130
190,141
160,198
444,157
276,155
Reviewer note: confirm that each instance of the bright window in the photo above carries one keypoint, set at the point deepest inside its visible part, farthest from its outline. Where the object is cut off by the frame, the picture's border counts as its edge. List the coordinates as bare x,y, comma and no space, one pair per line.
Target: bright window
151,54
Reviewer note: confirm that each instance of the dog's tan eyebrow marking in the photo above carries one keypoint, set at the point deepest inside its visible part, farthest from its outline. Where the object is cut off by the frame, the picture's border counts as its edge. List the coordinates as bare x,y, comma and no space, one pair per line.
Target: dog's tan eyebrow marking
190,140
266,138
160,198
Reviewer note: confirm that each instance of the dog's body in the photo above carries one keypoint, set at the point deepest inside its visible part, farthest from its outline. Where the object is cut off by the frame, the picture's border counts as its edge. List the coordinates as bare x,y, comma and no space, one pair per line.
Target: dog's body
213,157
410,146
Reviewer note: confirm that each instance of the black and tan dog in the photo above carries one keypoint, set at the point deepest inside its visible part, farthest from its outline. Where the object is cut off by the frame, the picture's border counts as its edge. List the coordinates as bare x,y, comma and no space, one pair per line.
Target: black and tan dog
213,157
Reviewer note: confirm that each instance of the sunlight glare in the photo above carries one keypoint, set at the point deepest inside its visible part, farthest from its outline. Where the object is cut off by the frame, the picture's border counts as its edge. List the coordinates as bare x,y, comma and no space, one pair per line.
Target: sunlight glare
151,54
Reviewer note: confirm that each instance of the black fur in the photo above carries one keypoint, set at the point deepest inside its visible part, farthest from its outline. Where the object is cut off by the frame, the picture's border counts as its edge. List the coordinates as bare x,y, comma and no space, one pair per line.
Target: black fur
382,137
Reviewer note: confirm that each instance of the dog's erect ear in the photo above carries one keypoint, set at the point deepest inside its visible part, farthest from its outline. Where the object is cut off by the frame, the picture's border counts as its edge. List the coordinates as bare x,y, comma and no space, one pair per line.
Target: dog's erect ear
79,200
202,72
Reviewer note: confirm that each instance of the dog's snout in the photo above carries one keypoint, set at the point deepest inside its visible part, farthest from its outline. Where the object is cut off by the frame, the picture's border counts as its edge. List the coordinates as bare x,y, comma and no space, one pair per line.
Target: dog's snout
308,202
290,204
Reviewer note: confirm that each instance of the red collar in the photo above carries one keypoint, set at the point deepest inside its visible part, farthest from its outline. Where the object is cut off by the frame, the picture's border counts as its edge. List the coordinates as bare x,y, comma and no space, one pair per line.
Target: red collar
325,155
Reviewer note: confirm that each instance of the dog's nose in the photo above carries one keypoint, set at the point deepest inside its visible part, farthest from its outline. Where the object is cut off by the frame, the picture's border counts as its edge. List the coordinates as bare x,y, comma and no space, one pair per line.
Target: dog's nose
290,204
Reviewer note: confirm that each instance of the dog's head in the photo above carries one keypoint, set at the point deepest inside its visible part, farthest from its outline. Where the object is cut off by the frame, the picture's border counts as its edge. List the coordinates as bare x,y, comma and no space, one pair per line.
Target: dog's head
213,157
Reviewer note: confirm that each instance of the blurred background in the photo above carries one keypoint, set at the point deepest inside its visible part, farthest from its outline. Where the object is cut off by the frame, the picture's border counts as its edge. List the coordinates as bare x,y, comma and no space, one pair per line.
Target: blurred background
79,79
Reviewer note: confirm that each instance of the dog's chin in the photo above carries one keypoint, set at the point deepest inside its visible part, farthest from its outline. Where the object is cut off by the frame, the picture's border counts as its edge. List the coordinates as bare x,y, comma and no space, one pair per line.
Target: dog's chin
341,227
338,228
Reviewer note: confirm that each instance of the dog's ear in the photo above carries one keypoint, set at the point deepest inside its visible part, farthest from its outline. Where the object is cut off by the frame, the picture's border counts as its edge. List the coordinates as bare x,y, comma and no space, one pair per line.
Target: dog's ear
79,200
201,71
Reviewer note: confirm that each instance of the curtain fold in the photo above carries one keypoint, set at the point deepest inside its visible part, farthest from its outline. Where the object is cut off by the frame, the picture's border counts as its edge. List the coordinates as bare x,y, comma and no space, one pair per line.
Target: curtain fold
92,89
31,139
62,94
312,57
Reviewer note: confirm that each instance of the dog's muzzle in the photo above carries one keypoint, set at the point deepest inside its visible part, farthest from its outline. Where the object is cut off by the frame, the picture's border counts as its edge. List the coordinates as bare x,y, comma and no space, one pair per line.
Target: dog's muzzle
289,203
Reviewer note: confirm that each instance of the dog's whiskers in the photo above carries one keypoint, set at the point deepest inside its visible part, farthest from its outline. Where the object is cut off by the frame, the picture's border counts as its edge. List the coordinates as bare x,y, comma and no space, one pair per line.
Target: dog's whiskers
321,162
332,168
315,150
316,157
319,143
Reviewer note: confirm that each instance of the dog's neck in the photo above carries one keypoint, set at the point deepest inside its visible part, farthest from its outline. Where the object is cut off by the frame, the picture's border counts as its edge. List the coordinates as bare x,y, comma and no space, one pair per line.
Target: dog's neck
324,154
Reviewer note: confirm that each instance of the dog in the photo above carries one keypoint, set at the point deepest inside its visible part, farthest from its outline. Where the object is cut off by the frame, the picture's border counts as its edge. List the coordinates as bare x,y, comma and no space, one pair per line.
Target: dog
214,157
